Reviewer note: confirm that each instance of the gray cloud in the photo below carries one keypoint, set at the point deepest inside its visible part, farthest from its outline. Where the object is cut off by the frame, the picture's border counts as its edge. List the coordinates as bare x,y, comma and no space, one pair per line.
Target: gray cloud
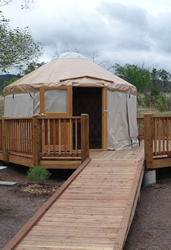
124,32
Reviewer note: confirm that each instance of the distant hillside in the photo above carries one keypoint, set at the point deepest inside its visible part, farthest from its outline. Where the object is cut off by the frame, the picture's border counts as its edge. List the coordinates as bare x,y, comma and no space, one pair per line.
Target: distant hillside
6,77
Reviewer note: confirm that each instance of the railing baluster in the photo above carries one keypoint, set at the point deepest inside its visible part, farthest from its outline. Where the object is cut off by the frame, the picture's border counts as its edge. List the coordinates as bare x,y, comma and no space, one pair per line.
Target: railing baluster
21,137
155,136
167,139
169,127
60,136
48,136
26,148
28,142
71,136
76,136
0,133
65,137
164,135
54,136
43,137
159,135
29,136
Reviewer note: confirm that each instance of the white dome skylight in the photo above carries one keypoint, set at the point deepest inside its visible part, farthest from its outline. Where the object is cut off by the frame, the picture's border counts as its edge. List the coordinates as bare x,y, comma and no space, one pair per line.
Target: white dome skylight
71,55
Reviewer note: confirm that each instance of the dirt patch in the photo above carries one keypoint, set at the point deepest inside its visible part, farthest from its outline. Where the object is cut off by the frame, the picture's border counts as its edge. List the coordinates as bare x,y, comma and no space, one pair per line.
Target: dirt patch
20,202
150,229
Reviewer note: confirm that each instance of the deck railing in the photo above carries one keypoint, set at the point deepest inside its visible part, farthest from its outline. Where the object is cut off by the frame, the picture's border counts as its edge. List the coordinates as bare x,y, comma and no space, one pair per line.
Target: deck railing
157,141
162,136
42,137
18,133
59,136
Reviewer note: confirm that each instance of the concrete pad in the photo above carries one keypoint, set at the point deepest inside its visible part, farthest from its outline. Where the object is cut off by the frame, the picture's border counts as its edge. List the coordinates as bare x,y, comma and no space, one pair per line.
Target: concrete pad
2,167
149,178
7,183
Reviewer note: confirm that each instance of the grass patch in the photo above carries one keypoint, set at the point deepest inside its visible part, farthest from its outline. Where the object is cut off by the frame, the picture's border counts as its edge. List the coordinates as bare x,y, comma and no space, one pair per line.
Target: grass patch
143,110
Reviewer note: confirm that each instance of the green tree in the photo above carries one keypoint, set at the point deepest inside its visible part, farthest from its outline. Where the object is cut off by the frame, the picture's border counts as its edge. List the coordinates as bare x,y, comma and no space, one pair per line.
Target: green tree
138,76
164,78
17,48
160,80
13,79
32,66
25,3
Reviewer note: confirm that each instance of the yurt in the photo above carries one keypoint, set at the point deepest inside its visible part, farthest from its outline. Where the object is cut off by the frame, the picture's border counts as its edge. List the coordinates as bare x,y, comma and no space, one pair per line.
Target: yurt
71,85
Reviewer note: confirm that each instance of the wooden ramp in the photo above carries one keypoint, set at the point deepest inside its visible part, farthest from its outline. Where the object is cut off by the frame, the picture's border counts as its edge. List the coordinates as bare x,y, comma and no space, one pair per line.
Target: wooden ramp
92,210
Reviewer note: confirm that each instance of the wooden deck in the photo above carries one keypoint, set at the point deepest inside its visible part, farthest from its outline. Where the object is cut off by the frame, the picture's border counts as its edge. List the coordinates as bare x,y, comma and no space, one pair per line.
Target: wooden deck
92,210
134,153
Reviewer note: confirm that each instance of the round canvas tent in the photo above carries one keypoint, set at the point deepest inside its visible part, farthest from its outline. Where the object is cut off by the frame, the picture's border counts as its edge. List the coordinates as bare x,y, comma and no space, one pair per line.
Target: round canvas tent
71,85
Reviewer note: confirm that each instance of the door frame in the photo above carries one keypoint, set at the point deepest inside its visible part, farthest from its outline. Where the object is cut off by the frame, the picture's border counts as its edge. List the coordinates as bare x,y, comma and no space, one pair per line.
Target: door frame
104,118
103,114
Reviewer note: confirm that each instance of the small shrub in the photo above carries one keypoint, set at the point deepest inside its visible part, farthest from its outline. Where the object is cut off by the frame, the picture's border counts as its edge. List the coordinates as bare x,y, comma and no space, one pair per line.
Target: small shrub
160,103
38,174
168,103
139,100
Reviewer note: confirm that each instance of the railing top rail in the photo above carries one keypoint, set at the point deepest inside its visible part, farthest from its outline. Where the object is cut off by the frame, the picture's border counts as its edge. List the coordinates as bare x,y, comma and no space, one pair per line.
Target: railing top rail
157,117
16,118
162,117
39,117
57,118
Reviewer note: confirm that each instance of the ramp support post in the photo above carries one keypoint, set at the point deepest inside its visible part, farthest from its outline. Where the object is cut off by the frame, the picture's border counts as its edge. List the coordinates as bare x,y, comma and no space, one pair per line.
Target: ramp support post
148,140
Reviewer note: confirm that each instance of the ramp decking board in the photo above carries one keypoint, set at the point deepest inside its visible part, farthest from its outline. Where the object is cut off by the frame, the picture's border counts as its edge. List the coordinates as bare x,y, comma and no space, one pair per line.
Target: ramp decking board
95,211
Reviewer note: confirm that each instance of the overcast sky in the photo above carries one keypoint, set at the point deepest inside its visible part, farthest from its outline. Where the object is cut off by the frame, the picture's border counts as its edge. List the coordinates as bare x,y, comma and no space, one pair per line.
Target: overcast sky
123,31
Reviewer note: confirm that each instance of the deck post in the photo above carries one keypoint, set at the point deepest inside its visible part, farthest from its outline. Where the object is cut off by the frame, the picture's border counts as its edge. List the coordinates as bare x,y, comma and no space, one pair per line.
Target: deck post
84,137
148,140
36,140
5,152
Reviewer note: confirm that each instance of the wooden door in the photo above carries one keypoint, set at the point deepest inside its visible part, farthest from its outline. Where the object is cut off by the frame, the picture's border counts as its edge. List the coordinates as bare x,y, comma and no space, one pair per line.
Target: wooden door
55,132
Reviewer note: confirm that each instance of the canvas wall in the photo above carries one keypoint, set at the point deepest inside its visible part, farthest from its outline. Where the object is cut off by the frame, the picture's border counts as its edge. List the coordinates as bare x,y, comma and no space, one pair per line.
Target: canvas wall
121,121
25,105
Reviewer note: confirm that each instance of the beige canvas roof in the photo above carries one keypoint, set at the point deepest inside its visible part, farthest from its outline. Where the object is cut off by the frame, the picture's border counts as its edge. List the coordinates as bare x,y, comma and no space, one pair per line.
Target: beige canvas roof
69,71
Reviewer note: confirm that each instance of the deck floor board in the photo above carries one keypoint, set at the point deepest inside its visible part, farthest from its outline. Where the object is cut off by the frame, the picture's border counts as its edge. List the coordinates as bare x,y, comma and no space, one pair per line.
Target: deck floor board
95,210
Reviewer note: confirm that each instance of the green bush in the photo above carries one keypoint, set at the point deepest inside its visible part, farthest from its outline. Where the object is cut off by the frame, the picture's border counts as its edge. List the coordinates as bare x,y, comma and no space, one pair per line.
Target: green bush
139,100
38,174
168,103
156,100
142,101
160,103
